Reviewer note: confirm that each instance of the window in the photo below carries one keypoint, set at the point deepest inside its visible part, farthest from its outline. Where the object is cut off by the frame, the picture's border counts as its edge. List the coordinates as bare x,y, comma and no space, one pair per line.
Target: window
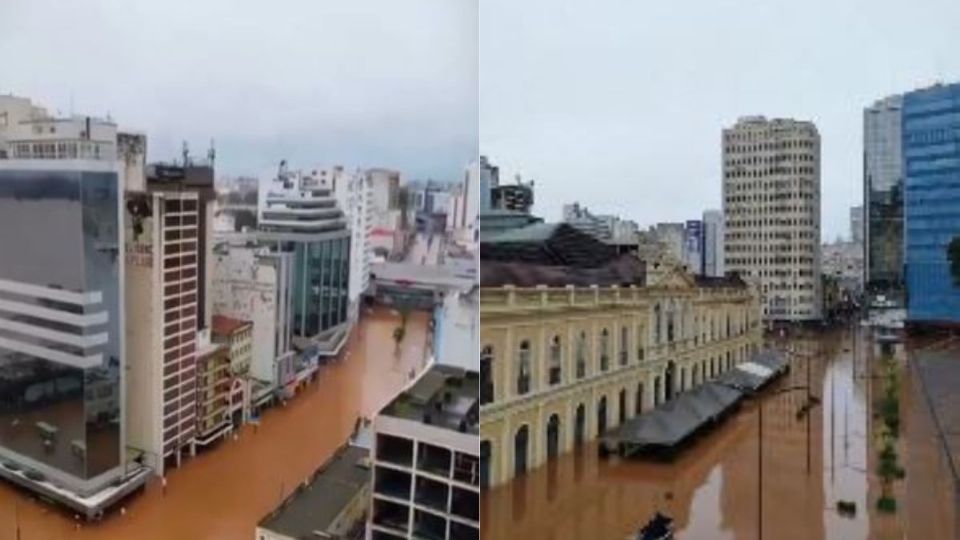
486,375
639,343
523,368
556,355
624,345
604,349
582,355
657,321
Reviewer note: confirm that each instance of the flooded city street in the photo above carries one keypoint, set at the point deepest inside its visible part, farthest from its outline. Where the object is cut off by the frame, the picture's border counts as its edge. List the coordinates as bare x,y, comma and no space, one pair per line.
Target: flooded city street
222,493
810,463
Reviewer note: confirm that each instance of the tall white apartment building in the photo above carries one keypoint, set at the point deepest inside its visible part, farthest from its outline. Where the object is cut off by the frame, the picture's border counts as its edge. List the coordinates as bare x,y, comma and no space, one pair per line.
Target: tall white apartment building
354,194
771,206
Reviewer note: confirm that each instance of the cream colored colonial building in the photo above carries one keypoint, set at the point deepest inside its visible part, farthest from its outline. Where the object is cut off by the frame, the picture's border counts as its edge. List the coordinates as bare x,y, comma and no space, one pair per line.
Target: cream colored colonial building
561,364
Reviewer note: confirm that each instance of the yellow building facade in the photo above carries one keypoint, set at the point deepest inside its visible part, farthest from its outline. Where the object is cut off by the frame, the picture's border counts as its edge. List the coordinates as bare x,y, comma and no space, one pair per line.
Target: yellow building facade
561,365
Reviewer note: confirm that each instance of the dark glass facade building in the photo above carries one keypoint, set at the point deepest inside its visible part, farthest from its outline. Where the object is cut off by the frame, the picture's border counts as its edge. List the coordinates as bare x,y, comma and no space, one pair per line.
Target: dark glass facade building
321,273
883,199
61,351
300,217
931,152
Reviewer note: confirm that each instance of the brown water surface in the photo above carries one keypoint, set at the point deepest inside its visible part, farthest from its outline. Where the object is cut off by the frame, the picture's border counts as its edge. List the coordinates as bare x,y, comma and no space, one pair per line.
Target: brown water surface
810,462
222,493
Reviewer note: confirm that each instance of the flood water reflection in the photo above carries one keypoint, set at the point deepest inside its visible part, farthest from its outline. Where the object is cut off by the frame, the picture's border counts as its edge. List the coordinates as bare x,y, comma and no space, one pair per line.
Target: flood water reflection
222,493
810,462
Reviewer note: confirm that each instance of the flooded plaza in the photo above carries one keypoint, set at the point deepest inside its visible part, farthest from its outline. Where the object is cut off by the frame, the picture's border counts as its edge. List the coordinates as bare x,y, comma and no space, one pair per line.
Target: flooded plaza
809,463
222,493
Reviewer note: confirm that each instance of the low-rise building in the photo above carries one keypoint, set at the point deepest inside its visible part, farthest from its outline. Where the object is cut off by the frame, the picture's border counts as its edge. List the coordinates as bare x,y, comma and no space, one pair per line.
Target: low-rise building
237,336
576,339
332,504
213,390
426,475
252,283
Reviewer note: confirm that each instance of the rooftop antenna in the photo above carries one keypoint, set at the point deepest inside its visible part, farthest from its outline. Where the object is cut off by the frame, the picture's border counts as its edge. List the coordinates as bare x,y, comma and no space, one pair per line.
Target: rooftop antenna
186,154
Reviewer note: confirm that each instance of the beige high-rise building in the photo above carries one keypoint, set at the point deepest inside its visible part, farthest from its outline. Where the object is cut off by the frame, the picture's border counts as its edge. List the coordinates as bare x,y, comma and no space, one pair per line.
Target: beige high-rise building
771,207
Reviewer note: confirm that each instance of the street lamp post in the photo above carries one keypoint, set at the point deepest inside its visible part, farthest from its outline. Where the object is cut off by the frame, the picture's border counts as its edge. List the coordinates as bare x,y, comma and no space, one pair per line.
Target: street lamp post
760,399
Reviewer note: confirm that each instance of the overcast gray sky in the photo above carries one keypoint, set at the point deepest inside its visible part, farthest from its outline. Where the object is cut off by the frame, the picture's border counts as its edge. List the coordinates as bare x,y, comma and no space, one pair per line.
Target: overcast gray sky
359,83
619,104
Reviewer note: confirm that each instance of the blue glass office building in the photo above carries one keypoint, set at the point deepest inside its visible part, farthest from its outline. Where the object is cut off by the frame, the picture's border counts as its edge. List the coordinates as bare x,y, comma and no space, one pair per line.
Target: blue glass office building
931,153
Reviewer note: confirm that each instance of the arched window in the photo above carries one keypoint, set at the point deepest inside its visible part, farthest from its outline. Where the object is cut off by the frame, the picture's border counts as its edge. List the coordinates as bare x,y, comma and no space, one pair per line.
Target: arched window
670,326
523,368
604,349
556,361
639,343
486,375
624,344
657,324
582,355
728,326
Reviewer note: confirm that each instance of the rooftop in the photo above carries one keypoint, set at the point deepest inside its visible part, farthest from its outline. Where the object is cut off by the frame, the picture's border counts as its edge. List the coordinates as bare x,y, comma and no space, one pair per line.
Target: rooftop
445,396
547,244
224,326
315,505
625,271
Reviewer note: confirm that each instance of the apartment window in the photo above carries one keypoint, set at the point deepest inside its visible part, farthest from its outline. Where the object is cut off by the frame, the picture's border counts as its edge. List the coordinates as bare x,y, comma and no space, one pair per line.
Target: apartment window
395,450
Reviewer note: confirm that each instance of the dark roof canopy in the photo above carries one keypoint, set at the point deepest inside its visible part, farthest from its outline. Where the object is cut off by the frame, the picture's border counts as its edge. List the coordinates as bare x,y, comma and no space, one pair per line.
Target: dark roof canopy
547,244
732,279
624,271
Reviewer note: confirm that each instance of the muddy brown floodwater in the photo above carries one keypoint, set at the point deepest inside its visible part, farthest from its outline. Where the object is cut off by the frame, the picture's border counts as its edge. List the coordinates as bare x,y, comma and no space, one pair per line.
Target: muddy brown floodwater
223,492
810,462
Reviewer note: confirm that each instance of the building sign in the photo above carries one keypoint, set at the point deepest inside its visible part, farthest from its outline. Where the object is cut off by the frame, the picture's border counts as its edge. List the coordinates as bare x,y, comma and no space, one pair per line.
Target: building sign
138,225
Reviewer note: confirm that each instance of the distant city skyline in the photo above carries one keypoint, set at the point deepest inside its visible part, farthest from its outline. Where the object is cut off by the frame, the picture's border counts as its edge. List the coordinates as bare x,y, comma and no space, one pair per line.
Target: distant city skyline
377,85
620,106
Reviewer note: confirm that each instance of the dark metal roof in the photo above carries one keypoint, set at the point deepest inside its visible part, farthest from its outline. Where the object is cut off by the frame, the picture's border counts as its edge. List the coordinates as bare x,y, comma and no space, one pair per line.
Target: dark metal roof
314,506
675,421
732,279
624,271
547,244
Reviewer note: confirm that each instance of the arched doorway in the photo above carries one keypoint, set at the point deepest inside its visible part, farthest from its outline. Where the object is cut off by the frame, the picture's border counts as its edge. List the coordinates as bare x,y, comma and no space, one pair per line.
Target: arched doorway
580,425
656,391
521,443
485,450
553,437
638,405
602,416
623,406
683,379
668,382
